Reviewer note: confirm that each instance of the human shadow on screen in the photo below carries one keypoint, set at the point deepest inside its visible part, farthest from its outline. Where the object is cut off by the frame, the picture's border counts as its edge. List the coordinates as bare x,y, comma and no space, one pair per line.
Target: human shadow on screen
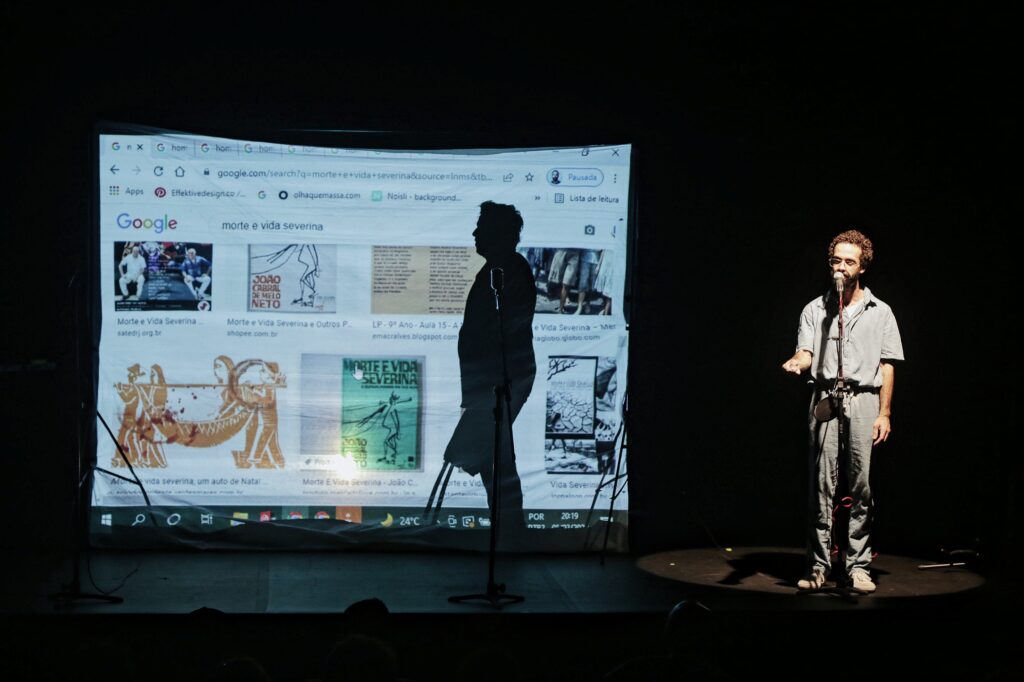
480,344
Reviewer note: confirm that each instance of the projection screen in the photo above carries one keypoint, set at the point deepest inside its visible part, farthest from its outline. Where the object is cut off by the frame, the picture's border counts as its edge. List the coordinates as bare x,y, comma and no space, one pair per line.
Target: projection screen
278,348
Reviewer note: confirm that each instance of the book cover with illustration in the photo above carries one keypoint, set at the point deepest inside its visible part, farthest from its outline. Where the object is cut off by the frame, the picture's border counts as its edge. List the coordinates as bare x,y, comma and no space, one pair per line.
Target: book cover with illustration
583,414
381,399
292,278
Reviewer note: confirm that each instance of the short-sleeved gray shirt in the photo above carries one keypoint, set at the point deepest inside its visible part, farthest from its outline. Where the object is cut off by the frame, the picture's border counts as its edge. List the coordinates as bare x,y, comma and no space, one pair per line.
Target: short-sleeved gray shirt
871,336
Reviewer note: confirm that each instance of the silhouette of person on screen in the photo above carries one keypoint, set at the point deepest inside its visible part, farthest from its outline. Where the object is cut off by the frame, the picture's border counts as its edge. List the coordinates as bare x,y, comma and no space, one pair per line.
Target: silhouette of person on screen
472,444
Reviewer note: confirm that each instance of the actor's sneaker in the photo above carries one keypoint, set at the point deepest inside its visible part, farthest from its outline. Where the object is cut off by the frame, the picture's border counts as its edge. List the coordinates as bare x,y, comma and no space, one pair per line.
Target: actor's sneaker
814,580
861,583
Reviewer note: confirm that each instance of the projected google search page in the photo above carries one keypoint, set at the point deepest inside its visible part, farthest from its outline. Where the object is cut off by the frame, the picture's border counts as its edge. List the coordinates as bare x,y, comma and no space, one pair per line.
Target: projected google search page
280,326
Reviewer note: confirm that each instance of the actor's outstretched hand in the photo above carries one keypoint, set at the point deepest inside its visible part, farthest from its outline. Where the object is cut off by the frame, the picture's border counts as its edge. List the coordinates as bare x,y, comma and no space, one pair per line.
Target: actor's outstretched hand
798,363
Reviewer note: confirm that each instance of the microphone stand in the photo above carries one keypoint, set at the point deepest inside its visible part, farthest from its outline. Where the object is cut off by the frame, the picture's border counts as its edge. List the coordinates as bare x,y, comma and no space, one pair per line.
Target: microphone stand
495,594
841,393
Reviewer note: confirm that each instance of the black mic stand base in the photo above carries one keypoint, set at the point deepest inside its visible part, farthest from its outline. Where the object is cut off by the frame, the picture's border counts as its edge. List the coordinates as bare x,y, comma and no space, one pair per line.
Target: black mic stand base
495,597
72,592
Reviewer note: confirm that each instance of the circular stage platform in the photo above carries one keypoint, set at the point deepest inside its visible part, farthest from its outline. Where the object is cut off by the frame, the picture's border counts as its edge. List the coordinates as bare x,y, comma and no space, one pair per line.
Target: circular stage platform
775,570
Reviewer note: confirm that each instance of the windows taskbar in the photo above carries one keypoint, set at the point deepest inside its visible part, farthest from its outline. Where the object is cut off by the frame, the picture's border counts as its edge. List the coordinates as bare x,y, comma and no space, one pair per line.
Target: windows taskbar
214,519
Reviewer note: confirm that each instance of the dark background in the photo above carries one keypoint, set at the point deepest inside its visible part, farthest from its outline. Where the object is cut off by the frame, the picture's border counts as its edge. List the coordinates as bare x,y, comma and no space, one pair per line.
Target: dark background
760,134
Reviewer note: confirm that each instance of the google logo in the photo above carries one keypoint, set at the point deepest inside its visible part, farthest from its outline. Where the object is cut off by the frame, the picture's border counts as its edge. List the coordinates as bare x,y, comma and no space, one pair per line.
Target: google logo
159,146
247,148
124,221
116,146
204,147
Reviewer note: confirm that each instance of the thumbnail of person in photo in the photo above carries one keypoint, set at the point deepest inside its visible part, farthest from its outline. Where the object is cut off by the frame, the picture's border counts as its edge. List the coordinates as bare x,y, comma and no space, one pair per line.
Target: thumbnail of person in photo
156,259
603,283
564,268
535,257
480,363
196,271
589,259
132,268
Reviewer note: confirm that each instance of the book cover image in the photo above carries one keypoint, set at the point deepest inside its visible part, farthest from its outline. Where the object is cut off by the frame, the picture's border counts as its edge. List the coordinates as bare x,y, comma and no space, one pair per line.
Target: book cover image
163,276
292,278
570,401
582,415
381,399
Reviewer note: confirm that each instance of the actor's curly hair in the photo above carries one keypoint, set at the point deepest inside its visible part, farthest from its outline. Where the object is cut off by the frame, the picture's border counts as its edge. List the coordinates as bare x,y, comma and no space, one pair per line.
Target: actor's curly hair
867,249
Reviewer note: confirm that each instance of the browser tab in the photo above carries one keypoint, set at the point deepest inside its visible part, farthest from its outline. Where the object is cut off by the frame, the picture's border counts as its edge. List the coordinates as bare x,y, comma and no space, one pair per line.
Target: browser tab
122,145
217,149
260,149
173,148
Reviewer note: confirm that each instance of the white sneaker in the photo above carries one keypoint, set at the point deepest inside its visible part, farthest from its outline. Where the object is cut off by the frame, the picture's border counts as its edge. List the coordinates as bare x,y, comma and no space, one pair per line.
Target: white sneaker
814,580
860,582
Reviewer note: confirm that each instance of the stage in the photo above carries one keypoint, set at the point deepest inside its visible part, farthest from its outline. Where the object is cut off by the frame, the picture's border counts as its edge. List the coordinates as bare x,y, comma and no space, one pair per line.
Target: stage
420,582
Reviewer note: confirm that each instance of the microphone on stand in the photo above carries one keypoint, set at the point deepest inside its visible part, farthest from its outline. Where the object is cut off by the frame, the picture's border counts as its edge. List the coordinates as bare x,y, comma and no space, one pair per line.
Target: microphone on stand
497,284
840,282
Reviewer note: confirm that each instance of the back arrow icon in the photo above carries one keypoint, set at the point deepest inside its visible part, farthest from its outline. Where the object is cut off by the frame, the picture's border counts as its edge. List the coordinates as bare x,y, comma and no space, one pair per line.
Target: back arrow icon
114,169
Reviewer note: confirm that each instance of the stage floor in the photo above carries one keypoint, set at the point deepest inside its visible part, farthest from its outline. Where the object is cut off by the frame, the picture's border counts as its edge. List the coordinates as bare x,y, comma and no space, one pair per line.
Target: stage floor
420,582
408,582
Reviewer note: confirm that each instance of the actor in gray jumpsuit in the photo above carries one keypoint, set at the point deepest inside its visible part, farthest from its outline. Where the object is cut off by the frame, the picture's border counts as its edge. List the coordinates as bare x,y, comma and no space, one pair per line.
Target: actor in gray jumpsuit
871,344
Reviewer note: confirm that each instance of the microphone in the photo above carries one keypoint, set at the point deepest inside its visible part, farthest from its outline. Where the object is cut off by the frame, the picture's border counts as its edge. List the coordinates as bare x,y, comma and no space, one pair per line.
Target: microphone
497,284
838,280
497,280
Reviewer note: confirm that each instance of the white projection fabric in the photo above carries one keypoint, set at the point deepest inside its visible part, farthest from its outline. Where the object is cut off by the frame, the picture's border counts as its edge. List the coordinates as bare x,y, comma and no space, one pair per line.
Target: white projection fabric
280,324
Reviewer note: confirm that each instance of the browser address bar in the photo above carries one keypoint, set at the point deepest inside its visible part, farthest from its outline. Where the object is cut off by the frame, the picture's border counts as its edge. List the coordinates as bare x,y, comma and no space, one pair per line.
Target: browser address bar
405,175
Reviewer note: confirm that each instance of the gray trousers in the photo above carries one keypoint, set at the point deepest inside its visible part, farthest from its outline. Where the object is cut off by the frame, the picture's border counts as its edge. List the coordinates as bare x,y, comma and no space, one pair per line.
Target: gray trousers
861,412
